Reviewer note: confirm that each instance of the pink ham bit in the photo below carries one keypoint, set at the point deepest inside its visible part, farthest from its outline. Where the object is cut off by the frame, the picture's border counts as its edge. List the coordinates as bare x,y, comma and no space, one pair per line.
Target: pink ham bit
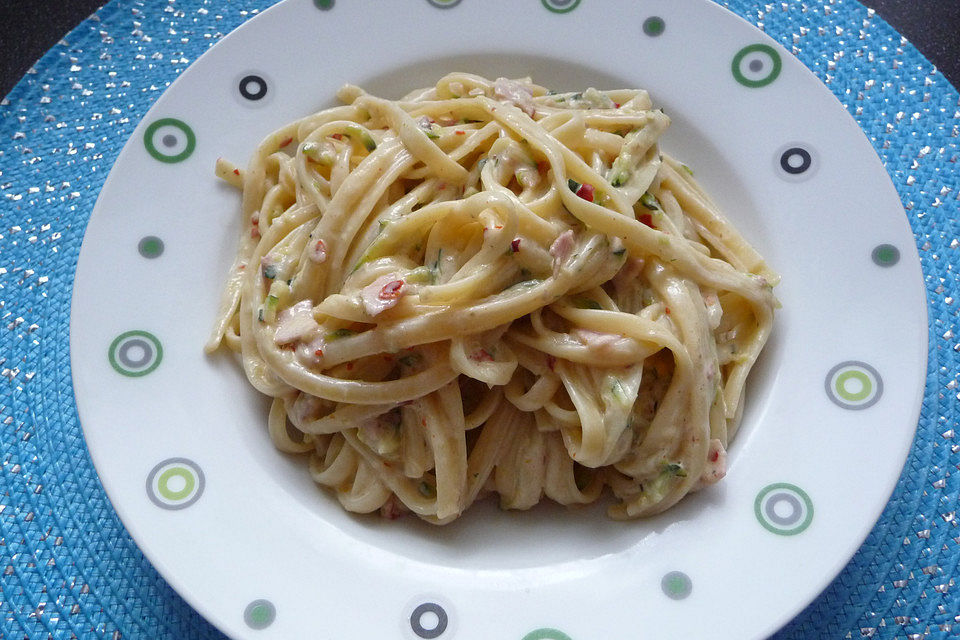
382,294
630,271
295,323
481,355
601,342
391,509
716,467
317,252
516,93
311,353
561,248
305,408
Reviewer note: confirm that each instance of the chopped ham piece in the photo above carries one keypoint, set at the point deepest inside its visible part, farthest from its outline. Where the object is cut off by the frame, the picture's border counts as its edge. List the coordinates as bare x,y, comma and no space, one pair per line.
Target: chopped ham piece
629,272
295,323
561,248
517,93
305,408
382,294
391,509
311,353
716,467
602,342
317,252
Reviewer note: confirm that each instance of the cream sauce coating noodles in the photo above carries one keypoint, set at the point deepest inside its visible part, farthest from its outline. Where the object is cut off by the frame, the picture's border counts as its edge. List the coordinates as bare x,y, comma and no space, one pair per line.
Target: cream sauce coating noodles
486,287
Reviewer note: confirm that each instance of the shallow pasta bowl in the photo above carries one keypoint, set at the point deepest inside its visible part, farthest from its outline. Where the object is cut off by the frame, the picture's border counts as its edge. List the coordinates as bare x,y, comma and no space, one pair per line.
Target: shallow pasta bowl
245,536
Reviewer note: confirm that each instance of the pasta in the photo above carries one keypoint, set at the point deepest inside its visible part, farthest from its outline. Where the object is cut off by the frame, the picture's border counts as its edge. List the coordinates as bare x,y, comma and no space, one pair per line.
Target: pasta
486,287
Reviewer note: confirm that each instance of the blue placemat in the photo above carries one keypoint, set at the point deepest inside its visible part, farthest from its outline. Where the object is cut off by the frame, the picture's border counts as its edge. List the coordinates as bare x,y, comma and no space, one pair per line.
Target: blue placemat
68,569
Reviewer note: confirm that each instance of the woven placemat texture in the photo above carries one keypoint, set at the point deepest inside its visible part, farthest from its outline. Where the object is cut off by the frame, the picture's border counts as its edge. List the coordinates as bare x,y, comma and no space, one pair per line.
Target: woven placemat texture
68,569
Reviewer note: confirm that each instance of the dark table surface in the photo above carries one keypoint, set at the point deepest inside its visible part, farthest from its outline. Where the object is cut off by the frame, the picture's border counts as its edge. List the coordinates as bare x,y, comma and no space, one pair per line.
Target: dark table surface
29,27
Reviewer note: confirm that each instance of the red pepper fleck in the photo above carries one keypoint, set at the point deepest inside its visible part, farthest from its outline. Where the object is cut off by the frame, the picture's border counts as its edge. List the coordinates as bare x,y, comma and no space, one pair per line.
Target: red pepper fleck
460,133
337,136
236,172
286,142
318,353
255,221
616,105
647,219
586,192
254,233
391,290
242,267
481,356
515,245
551,361
714,456
667,310
498,226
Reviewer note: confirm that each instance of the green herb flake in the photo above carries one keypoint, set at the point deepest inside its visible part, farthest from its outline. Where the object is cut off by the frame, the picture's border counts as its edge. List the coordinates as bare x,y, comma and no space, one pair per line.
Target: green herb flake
649,201
342,332
573,184
363,135
420,275
616,388
526,284
674,469
410,360
620,178
586,303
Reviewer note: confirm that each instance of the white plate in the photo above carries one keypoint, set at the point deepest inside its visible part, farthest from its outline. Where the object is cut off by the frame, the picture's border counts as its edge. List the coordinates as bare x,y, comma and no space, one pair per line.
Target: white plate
239,529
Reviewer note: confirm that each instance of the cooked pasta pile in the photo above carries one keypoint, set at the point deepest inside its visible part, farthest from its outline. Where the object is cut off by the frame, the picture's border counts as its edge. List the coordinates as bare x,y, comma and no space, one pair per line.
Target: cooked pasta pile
487,287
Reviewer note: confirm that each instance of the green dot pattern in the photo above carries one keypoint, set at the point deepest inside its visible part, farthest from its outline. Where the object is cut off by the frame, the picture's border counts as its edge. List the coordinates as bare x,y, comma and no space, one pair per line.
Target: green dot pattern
842,386
886,255
775,65
654,26
175,483
546,634
795,522
324,5
676,585
181,134
853,385
163,483
260,614
560,6
146,360
150,247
